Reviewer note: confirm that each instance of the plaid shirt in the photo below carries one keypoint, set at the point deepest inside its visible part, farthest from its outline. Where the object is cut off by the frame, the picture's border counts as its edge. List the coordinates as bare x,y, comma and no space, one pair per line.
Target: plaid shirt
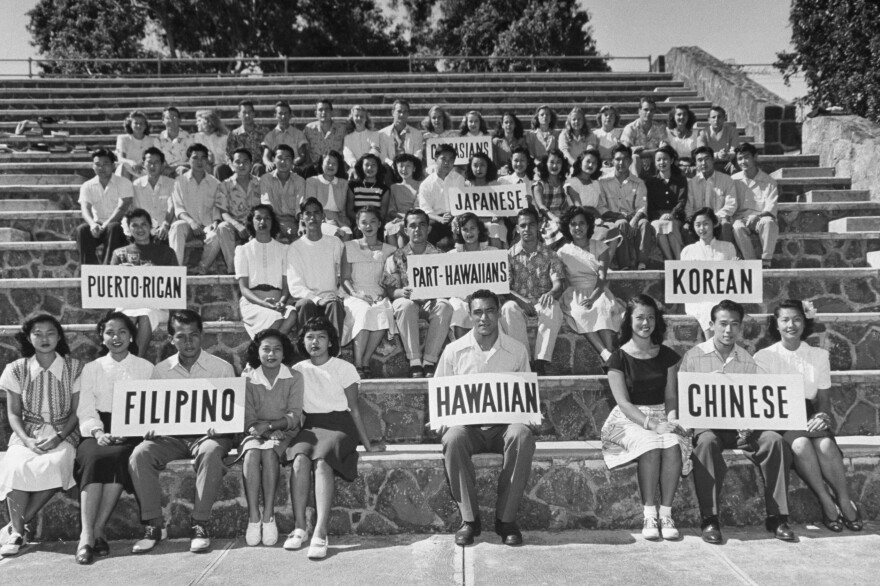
532,275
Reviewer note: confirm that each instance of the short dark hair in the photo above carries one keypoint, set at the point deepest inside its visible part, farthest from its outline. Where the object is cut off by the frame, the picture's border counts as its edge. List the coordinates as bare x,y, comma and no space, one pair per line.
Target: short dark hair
129,324
380,168
340,163
318,324
719,109
284,147
153,151
253,349
463,219
530,162
570,215
691,117
243,151
172,109
311,201
106,153
728,305
415,212
659,323
196,148
622,148
380,233
401,102
590,152
138,213
184,317
283,104
24,343
491,169
543,171
276,227
647,100
324,101
746,147
530,212
709,213
702,150
418,167
246,104
798,306
483,294
445,148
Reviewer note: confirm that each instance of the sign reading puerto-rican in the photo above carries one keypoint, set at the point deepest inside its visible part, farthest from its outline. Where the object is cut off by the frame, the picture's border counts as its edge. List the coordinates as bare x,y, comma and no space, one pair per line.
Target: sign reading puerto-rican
711,281
741,401
464,146
178,406
126,287
457,275
484,399
490,200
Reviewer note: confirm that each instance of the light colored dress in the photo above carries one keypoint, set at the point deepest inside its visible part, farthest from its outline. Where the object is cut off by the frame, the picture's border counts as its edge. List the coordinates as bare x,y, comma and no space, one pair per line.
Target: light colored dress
46,396
717,250
683,146
607,141
582,273
367,268
265,402
402,198
461,315
263,264
216,144
130,151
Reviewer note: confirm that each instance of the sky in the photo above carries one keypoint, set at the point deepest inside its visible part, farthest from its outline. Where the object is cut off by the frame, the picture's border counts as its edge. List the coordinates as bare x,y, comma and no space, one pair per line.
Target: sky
746,31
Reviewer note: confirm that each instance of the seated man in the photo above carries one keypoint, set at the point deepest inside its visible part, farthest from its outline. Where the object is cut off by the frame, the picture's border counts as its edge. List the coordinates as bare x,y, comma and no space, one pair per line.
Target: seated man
766,449
712,189
103,200
537,280
247,136
313,268
485,349
284,190
433,192
623,200
152,193
207,451
399,137
756,212
643,136
407,312
720,136
284,133
323,134
174,143
196,198
240,193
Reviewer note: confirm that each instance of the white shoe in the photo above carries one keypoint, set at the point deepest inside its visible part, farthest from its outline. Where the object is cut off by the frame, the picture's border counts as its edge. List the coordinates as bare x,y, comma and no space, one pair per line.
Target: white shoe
5,533
270,533
152,536
318,548
668,529
651,528
201,539
13,544
295,539
252,536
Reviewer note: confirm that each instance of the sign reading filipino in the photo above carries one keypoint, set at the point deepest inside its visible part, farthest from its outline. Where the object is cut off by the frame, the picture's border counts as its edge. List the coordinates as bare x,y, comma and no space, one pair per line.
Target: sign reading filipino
464,146
712,281
484,399
178,406
133,287
457,275
489,200
741,401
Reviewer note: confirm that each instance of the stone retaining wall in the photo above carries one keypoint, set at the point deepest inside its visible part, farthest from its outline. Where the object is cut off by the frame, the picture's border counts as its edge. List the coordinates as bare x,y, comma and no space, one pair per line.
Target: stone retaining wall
850,144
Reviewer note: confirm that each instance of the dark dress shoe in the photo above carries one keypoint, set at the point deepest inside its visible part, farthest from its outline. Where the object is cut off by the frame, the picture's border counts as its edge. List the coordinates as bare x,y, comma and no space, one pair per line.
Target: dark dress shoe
85,555
835,525
428,370
778,525
509,532
856,524
102,548
466,533
416,372
711,530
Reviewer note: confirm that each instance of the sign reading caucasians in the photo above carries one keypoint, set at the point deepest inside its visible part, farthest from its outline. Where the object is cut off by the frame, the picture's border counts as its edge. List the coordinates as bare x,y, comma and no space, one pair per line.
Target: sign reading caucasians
109,287
494,200
741,401
178,406
457,275
484,399
712,281
464,146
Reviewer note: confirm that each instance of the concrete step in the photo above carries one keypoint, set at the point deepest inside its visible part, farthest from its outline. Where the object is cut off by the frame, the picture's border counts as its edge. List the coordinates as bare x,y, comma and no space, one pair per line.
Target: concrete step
849,225
65,196
796,172
24,205
792,188
43,157
14,235
69,169
405,490
837,195
770,163
40,178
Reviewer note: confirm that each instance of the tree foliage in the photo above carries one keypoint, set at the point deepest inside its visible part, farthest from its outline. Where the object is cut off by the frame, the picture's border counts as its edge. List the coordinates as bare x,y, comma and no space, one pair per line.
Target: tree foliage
837,48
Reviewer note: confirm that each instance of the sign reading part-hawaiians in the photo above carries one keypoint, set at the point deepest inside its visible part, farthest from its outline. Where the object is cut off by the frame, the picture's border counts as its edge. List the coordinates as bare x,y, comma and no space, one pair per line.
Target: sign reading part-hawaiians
464,146
458,275
741,401
484,399
489,200
711,281
178,406
111,287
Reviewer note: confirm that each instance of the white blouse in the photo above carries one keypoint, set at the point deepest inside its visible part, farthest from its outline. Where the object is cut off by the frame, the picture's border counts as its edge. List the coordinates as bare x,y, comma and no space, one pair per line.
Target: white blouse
97,381
325,384
814,363
262,263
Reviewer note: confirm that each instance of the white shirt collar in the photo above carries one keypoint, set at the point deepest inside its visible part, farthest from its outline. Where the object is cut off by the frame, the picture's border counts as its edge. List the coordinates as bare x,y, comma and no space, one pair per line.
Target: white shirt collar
56,369
258,377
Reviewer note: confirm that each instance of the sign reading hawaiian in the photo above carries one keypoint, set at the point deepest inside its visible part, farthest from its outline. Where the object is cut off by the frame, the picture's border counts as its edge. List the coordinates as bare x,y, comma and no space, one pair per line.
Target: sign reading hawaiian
484,399
711,281
464,146
457,275
127,287
741,401
490,200
178,406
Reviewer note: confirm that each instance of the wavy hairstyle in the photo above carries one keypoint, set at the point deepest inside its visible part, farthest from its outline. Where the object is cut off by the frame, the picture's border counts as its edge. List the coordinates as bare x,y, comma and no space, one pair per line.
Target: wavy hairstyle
253,349
626,331
798,306
129,325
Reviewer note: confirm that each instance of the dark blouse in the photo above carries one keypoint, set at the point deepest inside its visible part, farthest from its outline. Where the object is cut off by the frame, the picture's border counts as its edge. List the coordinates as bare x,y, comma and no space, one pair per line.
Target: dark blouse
663,196
645,379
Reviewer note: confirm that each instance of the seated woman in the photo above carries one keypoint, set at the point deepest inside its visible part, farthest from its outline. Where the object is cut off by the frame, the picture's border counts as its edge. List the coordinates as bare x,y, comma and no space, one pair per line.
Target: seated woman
470,235
402,197
369,188
508,136
260,268
549,193
144,250
582,189
327,443
272,413
42,395
576,137
481,171
130,146
680,133
817,458
437,124
213,134
102,458
543,136
607,132
588,305
360,138
705,226
643,375
667,200
369,316
472,124
331,188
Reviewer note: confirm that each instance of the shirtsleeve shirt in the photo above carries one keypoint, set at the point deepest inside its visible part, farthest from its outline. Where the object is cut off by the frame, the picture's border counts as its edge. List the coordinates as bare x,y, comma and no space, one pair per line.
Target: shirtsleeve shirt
175,148
532,275
464,356
410,140
200,199
97,380
628,197
705,358
756,196
283,196
313,266
320,142
433,190
236,201
206,366
153,199
396,268
717,191
104,200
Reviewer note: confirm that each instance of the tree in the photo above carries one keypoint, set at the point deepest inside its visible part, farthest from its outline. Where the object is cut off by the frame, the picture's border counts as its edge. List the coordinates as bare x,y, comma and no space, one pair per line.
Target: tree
837,48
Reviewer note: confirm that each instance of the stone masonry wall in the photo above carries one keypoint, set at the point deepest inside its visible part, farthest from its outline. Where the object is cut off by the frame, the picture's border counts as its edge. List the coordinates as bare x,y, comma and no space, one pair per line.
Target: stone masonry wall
850,144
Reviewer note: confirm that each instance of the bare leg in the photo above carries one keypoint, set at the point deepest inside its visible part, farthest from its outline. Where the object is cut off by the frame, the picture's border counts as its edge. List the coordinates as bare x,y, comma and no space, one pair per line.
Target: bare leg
89,504
831,465
596,342
144,335
271,473
609,339
649,475
300,482
36,502
287,324
670,475
360,345
252,478
806,463
373,342
323,496
111,495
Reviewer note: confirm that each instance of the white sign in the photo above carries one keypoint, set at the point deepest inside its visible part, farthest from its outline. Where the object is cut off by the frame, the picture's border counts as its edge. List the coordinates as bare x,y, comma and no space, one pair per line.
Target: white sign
490,200
484,399
457,275
697,281
741,401
464,146
178,406
152,287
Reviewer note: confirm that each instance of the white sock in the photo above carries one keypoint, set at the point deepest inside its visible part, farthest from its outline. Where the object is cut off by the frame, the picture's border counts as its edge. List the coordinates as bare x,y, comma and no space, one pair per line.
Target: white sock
415,362
650,512
665,511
